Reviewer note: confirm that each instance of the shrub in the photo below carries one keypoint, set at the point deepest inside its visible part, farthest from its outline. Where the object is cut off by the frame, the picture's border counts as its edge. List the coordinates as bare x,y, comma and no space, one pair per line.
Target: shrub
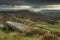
49,36
52,22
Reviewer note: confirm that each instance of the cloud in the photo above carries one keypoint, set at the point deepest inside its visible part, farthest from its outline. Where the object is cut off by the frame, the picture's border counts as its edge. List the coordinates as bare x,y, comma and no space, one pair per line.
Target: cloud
12,2
27,2
2,8
44,7
38,2
30,7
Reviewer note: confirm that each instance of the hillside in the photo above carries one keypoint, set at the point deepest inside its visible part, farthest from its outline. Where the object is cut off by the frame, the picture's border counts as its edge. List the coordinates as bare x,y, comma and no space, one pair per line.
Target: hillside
53,13
37,24
31,19
29,15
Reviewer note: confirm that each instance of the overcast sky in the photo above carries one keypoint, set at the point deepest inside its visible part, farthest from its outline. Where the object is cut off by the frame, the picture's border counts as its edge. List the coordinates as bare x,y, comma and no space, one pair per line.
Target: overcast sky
31,2
31,5
35,5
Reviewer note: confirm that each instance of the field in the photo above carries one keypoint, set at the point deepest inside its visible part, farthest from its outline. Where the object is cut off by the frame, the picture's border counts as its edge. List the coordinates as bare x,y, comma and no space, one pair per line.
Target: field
44,27
16,36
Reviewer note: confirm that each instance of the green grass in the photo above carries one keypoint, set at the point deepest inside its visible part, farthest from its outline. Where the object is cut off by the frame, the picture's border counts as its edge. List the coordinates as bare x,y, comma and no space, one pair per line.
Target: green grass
16,36
45,25
7,35
55,27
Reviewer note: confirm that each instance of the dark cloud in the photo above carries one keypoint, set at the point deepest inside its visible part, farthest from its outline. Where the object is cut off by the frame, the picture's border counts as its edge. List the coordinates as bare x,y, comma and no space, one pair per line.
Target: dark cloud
12,2
20,2
43,1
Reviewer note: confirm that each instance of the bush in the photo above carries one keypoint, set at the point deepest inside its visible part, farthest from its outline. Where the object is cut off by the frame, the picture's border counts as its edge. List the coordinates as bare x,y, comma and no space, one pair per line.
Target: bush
50,36
52,22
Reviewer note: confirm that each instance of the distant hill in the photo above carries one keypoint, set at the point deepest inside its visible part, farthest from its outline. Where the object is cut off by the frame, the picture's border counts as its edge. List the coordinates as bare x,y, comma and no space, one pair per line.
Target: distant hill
53,13
29,15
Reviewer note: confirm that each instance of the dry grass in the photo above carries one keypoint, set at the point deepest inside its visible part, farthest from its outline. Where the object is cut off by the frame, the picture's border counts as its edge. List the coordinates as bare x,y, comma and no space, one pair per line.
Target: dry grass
16,36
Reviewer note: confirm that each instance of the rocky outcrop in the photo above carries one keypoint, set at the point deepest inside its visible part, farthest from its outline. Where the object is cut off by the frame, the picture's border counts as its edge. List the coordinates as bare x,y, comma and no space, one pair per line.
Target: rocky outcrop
1,26
18,26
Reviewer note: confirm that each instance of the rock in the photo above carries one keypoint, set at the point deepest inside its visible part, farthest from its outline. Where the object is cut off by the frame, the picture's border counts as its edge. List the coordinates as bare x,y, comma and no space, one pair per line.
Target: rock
1,26
18,26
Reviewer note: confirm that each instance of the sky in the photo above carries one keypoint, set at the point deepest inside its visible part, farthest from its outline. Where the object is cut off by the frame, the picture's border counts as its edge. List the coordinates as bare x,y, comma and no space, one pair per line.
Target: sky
28,2
32,5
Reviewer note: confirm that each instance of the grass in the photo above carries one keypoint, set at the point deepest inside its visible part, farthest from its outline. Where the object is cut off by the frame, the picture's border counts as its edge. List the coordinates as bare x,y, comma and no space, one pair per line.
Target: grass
55,27
8,35
16,36
44,25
